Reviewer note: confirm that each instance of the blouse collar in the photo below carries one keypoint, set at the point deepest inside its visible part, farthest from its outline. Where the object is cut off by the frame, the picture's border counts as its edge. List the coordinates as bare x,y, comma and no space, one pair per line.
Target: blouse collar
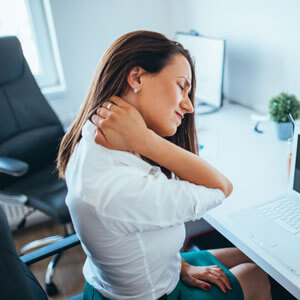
123,157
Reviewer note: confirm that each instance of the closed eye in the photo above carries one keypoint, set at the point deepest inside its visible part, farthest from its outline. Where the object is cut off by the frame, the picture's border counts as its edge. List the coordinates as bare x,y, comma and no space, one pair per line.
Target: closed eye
182,88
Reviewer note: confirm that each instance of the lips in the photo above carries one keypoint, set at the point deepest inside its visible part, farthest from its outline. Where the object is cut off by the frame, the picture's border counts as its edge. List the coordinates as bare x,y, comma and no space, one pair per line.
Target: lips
179,115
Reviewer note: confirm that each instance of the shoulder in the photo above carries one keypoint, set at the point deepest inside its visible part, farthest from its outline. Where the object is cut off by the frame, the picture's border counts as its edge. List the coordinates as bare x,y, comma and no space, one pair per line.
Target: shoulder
95,168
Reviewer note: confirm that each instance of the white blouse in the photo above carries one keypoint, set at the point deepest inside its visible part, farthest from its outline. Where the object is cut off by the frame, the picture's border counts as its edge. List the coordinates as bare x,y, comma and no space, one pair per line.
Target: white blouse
130,219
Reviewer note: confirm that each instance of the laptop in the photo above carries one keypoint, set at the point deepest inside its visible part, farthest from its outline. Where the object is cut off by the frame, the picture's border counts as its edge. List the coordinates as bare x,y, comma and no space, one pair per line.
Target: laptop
275,224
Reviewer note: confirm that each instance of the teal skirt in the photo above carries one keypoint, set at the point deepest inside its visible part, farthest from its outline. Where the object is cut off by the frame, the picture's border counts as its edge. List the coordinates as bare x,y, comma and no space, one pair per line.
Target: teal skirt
184,292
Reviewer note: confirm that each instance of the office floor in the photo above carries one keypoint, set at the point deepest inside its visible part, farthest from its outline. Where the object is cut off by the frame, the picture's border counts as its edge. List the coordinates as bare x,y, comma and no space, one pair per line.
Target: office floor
68,274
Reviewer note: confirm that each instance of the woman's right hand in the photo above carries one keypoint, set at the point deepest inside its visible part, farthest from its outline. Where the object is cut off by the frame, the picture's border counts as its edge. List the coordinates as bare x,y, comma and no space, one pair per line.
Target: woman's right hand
122,127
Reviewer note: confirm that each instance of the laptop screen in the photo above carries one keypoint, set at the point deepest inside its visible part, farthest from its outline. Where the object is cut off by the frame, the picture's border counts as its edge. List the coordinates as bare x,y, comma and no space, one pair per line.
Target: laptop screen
296,185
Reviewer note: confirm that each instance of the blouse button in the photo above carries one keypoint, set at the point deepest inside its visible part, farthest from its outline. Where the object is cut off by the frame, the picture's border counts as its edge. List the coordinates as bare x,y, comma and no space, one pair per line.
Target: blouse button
154,170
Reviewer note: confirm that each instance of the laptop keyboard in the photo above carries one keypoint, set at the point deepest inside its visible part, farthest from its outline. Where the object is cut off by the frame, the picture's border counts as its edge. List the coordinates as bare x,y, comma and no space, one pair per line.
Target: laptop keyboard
285,212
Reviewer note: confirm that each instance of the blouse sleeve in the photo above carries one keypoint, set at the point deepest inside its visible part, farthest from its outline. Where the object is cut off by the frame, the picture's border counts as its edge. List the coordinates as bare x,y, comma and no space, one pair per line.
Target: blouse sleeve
127,200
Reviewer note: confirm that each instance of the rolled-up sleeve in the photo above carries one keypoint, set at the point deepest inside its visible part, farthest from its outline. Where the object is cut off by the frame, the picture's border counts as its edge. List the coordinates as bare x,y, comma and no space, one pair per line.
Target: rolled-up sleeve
127,200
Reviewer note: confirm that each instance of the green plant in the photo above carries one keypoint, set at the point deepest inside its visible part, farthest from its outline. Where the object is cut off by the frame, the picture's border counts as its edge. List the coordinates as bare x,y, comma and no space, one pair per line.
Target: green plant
283,104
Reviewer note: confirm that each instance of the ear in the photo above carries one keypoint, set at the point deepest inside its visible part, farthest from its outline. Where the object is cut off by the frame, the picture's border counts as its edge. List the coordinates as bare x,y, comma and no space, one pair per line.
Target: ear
135,78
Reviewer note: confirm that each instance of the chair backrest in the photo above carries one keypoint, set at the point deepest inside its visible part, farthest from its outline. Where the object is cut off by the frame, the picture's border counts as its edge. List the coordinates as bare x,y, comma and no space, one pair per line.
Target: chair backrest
16,280
29,128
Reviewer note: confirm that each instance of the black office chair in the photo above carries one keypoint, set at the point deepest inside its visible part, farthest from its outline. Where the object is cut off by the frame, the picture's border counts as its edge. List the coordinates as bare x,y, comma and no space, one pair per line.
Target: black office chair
30,132
17,282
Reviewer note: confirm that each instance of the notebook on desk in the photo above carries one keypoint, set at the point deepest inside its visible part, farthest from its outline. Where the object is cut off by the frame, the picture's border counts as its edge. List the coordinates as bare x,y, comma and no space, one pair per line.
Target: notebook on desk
275,224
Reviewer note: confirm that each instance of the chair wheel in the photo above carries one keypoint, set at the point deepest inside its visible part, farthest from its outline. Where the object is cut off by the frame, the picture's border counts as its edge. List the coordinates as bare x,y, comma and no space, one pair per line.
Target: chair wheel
51,289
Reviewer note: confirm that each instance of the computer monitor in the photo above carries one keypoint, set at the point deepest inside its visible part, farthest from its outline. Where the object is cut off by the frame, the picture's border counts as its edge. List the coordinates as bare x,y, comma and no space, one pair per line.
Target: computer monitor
295,166
208,54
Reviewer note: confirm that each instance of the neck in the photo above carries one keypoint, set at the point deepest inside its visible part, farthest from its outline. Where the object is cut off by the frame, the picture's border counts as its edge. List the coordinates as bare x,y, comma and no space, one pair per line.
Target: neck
130,98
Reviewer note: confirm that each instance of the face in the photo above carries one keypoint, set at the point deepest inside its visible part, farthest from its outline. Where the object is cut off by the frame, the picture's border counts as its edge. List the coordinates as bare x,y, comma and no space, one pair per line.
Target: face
163,98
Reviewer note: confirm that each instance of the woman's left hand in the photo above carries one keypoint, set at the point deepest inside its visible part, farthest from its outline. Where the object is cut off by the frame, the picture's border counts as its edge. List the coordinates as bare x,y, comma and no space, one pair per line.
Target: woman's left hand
200,276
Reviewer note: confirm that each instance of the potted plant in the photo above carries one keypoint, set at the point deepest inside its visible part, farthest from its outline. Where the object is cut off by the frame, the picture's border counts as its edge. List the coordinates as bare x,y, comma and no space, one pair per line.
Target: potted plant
279,108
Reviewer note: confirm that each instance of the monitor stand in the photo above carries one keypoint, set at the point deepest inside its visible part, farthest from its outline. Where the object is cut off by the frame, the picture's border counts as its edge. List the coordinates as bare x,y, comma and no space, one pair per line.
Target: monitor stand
204,109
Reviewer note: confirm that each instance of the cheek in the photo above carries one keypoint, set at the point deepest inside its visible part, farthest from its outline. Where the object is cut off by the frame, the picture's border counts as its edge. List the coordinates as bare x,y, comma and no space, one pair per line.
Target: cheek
162,119
169,98
158,107
164,104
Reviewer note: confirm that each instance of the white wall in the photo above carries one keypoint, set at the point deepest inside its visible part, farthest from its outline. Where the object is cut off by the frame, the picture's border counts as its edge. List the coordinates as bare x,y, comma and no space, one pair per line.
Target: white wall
85,29
262,44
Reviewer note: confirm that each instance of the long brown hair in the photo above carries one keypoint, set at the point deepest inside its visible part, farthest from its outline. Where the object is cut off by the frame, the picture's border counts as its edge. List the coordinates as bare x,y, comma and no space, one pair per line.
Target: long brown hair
150,50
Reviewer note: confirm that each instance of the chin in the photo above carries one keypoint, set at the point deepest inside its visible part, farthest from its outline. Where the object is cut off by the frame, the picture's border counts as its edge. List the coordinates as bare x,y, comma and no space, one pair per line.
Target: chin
164,131
169,132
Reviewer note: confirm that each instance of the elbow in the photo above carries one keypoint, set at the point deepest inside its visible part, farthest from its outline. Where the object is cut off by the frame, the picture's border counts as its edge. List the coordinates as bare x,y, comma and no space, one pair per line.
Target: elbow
227,188
230,188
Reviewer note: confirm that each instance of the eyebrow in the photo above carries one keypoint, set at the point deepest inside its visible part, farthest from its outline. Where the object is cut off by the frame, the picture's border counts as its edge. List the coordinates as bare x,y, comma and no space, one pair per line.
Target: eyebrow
186,81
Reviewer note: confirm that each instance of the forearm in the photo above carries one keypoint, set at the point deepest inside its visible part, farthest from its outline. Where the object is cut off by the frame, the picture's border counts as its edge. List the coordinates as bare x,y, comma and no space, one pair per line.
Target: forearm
183,163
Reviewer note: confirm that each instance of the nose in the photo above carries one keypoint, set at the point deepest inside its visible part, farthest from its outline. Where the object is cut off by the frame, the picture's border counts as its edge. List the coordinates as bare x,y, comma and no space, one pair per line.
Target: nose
187,105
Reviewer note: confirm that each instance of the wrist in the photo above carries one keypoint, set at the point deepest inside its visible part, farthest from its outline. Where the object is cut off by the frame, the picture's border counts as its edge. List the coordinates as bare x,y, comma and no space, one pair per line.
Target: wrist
184,266
145,148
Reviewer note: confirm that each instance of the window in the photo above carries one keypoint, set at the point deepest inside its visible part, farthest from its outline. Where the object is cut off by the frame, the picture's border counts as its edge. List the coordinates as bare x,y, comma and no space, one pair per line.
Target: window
31,22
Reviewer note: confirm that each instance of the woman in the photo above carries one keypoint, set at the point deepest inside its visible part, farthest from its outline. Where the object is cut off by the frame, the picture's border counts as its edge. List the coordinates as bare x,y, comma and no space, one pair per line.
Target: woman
134,177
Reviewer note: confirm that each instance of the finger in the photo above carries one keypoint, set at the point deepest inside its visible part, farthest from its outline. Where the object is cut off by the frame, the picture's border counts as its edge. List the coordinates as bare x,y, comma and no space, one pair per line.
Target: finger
219,272
97,120
109,105
119,101
113,108
200,284
220,284
103,112
223,277
226,281
215,267
214,279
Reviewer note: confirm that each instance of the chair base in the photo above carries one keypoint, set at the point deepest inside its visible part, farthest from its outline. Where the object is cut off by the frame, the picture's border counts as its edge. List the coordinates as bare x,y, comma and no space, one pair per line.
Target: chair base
51,288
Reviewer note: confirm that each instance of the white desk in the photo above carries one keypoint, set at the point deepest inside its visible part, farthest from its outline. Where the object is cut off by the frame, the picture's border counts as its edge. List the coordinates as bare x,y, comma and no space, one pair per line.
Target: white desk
257,166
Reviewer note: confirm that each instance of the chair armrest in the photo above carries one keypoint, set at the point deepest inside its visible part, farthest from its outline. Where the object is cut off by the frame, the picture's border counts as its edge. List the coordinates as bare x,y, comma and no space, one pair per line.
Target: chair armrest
12,166
10,199
49,250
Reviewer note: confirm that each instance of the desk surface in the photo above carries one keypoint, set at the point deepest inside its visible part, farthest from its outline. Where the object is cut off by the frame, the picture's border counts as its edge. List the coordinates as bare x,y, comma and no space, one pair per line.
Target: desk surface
257,166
